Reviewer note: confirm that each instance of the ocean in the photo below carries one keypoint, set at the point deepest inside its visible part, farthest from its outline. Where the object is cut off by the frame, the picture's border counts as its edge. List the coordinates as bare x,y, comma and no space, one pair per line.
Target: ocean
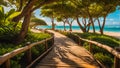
110,28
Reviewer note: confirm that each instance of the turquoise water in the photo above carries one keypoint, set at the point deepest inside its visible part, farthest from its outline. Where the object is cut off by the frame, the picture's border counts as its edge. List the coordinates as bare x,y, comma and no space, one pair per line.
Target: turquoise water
115,28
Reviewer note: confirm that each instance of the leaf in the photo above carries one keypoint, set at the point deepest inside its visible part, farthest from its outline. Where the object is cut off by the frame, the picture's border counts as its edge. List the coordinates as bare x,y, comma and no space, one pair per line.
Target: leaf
14,14
1,9
9,13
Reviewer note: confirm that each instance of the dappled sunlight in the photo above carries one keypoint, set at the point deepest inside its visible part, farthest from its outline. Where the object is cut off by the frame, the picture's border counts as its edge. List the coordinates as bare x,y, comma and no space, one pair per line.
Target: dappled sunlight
67,54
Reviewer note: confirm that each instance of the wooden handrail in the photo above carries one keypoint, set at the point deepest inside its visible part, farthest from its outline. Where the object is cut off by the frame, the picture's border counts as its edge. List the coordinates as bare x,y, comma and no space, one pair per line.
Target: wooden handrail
19,50
106,47
8,56
115,52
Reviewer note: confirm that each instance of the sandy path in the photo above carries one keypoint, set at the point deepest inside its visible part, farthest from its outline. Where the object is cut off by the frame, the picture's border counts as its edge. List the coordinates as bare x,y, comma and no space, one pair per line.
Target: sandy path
66,54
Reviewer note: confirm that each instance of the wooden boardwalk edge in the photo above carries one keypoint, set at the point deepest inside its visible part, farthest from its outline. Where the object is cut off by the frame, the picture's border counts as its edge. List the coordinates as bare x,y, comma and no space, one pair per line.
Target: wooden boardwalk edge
39,58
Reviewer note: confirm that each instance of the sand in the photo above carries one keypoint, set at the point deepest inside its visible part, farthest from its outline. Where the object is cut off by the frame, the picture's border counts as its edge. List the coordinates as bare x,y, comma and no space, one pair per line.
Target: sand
113,34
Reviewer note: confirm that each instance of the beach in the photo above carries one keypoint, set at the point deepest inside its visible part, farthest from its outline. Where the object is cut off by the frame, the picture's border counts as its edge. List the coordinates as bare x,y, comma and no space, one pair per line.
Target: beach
113,34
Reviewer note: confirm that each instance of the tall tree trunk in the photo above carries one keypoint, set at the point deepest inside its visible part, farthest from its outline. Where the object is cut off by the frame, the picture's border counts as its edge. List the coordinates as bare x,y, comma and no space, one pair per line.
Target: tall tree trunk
103,25
64,26
70,26
99,25
24,29
81,27
91,19
53,24
88,26
92,24
84,24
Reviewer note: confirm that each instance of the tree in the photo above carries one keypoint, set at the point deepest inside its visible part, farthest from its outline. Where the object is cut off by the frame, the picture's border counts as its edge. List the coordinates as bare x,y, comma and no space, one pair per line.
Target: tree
59,19
107,7
62,11
94,9
49,13
26,12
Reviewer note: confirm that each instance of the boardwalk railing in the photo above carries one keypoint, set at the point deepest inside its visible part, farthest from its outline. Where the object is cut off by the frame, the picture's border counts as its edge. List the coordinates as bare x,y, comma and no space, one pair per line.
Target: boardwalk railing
5,59
78,40
115,52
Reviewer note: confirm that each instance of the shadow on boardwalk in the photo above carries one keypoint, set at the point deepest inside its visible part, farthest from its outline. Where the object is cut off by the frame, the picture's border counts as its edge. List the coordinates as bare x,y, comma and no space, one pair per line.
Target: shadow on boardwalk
67,54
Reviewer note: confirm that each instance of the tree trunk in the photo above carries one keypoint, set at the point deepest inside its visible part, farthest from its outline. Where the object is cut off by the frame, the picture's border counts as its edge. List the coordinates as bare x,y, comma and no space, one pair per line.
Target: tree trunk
103,25
53,24
88,26
24,29
99,25
70,26
64,26
92,24
81,27
91,19
26,9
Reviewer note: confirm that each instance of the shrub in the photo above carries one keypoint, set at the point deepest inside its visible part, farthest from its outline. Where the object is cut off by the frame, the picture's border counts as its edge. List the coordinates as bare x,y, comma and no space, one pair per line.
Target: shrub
105,59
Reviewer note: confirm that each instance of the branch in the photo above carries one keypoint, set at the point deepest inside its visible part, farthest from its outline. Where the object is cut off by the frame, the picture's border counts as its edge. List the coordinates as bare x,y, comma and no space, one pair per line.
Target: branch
42,3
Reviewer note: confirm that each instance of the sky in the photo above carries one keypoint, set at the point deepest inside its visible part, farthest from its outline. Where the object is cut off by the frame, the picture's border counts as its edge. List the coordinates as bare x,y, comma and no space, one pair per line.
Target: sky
112,19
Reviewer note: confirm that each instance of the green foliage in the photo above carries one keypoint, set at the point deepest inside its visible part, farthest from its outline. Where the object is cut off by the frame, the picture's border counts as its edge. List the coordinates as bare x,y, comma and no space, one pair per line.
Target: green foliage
36,21
34,37
5,18
18,61
7,47
104,39
7,31
104,59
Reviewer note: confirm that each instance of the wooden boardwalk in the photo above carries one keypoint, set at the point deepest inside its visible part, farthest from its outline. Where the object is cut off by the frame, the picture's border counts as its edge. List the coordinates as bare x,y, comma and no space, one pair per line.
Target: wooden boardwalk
67,54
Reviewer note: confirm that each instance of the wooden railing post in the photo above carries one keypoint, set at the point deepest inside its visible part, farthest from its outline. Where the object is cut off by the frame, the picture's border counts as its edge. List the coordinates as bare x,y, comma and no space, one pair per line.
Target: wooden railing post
29,54
90,47
7,64
117,60
46,45
79,41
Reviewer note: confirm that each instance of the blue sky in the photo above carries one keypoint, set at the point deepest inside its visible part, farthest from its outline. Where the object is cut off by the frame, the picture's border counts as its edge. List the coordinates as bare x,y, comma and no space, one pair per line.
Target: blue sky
112,19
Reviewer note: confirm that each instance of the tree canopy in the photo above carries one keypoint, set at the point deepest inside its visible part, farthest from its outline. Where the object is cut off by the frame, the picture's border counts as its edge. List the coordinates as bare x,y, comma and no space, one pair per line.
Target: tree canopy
66,10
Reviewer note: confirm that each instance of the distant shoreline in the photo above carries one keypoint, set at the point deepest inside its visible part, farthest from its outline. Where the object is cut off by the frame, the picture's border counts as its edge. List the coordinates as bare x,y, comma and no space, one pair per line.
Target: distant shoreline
113,34
106,29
